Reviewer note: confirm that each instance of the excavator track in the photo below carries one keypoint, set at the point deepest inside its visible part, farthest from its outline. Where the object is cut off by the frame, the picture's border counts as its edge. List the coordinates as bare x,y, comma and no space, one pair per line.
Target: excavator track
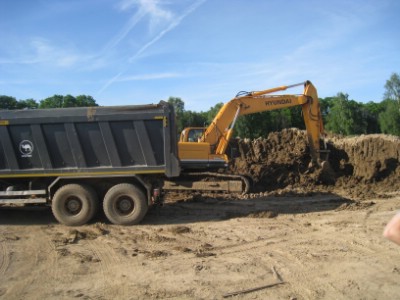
209,182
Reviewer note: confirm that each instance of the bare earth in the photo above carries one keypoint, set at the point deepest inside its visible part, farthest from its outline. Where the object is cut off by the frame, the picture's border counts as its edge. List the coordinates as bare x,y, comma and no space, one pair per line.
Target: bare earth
297,241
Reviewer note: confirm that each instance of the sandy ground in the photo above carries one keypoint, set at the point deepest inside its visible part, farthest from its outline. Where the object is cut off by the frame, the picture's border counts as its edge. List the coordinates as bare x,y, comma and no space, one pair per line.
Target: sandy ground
317,246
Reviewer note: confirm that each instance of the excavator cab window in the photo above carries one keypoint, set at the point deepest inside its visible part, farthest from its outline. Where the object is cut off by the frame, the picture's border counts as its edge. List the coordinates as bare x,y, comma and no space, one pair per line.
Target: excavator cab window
195,134
192,135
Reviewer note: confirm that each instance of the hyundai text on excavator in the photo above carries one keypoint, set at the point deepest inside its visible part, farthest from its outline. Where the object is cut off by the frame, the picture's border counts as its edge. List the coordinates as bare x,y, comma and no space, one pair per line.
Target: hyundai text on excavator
205,148
122,158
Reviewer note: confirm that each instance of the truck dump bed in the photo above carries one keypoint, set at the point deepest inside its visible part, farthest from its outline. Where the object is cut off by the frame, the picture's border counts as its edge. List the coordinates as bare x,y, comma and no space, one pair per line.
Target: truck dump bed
93,141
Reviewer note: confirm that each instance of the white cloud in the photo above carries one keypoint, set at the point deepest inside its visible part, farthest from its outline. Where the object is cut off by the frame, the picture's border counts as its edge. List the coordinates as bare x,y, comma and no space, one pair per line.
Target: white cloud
42,51
45,52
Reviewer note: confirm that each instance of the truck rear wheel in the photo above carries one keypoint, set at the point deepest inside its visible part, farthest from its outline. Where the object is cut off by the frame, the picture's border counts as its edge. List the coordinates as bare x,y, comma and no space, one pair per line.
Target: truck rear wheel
74,204
125,204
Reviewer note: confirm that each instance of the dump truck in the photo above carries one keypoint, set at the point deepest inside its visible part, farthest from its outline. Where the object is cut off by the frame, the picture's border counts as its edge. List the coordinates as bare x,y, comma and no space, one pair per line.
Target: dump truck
124,158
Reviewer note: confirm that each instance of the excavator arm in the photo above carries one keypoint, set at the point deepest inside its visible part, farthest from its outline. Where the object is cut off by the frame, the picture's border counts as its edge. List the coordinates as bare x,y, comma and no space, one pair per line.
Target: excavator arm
215,138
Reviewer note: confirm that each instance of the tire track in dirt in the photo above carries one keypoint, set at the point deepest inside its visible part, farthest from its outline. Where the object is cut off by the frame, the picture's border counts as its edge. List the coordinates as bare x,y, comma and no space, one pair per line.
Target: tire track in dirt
54,270
37,272
46,260
20,290
288,265
5,258
109,261
293,269
301,262
49,255
309,264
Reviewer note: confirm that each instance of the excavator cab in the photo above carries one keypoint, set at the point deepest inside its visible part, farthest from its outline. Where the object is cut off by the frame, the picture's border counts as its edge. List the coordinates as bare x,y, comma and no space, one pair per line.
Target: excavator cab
192,134
194,152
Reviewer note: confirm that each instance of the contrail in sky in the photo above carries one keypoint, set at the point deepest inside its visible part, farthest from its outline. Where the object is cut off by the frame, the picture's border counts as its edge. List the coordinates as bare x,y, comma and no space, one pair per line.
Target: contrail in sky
125,30
170,27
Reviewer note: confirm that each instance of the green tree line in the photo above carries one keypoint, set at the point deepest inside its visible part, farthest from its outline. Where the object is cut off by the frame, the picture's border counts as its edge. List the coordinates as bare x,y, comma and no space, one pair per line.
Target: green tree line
56,101
340,114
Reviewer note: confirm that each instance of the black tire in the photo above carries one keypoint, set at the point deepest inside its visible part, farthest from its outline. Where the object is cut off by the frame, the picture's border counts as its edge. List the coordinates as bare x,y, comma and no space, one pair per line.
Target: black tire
74,204
125,204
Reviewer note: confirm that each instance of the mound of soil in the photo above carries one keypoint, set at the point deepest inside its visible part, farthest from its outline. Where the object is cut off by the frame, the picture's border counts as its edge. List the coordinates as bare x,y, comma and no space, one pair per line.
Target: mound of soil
365,164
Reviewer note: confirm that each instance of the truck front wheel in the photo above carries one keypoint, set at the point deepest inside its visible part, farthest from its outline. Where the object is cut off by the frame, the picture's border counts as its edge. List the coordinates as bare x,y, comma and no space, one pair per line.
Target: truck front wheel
74,204
125,204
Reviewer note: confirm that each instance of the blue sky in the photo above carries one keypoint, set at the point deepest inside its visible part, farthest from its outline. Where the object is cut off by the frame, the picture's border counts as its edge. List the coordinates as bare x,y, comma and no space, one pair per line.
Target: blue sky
203,51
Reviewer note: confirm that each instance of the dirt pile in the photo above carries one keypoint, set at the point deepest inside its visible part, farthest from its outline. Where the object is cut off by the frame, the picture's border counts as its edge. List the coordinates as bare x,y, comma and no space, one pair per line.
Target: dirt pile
367,158
365,163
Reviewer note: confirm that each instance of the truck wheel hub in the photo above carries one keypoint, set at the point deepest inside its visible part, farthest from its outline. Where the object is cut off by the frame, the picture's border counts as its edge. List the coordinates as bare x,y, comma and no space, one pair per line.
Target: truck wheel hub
73,205
125,205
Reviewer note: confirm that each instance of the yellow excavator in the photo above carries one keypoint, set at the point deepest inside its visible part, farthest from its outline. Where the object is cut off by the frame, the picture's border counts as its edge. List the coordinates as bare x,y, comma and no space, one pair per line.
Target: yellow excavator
203,149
